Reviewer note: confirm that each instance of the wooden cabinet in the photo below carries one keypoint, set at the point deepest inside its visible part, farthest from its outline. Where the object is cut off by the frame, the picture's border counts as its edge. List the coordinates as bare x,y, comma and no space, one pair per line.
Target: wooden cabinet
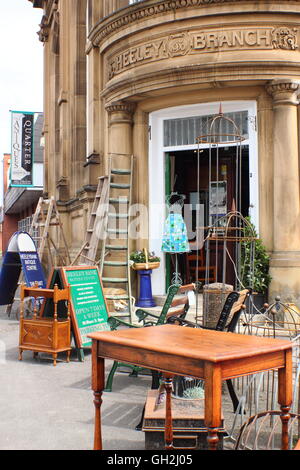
49,335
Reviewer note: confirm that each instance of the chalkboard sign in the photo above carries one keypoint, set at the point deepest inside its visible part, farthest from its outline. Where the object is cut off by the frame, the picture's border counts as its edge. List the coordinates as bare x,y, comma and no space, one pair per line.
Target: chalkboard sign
88,304
21,254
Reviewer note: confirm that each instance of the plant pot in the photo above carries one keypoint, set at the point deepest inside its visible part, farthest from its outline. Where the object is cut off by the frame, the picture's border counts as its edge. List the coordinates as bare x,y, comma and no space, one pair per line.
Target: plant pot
142,266
145,298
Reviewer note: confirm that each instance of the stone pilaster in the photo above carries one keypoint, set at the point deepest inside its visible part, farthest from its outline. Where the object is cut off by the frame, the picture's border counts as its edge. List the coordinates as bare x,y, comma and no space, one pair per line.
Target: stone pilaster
285,259
120,127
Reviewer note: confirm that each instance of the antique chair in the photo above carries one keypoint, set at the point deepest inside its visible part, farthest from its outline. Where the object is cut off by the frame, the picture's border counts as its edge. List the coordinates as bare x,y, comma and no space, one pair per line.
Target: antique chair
177,308
233,306
197,269
263,432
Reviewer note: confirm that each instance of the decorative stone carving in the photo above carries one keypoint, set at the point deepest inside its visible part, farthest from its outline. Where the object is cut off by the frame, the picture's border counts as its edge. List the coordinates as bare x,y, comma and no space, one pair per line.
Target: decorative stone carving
200,42
178,45
120,106
43,33
285,38
63,181
120,111
284,91
141,11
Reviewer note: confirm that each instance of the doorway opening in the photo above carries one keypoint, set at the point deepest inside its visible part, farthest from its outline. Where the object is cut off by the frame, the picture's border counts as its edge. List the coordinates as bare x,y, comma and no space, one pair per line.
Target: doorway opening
182,176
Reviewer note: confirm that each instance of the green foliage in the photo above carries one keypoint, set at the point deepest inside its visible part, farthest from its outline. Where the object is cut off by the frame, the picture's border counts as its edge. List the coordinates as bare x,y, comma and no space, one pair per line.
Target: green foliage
140,257
260,279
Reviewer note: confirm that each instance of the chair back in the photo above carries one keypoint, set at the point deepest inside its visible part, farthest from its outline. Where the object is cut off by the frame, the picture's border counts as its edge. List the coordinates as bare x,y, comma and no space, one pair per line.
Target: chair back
180,306
231,311
172,291
263,432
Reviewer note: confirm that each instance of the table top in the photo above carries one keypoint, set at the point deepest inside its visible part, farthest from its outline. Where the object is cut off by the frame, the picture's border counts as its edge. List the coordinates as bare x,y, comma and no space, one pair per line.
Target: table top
194,343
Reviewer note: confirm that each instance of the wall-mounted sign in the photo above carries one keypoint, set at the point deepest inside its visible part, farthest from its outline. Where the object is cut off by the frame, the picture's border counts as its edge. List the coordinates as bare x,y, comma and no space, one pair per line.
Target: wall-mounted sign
204,41
21,168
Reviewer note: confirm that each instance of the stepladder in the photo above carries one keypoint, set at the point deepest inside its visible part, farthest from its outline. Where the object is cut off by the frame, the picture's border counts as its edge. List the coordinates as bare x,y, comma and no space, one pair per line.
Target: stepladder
89,252
114,261
48,233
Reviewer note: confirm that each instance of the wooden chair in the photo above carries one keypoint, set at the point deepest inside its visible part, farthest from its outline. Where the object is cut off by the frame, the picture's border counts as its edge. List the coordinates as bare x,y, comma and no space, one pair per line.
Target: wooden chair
176,308
49,335
263,432
196,268
229,316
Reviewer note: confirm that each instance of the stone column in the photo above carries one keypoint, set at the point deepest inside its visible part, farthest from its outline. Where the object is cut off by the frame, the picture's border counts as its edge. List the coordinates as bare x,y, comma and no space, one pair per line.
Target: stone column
285,259
120,127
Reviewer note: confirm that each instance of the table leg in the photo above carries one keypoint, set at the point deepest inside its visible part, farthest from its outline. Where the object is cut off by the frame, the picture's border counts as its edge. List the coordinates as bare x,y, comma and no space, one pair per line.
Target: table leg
213,403
285,385
98,384
168,382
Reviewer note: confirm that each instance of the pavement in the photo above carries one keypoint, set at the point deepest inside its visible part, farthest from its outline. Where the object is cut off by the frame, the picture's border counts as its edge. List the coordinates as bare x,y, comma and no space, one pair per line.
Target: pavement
43,407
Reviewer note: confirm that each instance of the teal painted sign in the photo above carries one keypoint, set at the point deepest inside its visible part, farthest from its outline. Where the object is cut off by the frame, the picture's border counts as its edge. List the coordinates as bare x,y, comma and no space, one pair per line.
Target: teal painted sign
88,304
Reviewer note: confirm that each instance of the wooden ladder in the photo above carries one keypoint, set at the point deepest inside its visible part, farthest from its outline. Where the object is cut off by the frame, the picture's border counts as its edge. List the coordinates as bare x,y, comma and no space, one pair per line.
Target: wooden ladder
96,226
46,215
114,261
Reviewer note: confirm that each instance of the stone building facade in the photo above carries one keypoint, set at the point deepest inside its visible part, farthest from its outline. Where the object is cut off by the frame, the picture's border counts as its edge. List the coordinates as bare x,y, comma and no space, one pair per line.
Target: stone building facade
119,72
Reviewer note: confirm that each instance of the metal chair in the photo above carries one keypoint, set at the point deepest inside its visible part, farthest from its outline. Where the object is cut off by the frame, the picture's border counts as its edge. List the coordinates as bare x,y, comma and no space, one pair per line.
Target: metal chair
263,432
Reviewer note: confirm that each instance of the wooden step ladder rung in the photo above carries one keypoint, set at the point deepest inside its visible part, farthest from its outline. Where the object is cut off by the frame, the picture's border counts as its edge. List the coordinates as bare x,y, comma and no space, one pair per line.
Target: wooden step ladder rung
116,247
115,263
120,171
121,200
115,280
116,297
119,185
118,215
117,231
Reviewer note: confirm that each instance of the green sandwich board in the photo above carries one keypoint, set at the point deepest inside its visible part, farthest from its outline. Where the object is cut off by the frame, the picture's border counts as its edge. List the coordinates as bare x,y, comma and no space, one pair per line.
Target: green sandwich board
88,304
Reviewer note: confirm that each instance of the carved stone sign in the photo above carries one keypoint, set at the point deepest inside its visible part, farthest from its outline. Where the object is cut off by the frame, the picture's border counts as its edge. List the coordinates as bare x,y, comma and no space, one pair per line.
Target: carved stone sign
205,41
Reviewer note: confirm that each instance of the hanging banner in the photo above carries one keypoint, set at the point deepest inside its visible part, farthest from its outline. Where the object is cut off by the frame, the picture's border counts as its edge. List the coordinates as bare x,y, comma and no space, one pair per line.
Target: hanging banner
21,168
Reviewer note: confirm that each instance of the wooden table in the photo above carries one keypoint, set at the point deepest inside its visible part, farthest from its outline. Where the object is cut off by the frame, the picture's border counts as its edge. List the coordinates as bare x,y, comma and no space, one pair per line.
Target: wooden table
213,356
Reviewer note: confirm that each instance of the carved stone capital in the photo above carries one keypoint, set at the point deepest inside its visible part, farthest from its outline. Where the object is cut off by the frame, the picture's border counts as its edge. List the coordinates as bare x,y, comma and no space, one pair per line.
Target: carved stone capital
92,159
43,33
120,111
284,91
62,186
120,106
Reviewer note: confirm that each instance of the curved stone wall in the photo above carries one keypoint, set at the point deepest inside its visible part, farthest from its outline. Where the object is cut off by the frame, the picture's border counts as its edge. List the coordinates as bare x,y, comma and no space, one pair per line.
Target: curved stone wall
151,46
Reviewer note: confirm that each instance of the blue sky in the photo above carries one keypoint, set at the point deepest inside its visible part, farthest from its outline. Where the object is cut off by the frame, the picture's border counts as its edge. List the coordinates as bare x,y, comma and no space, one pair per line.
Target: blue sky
21,65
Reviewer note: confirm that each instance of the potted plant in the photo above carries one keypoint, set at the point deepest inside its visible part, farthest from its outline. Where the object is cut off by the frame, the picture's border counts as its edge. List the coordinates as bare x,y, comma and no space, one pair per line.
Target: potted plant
144,259
255,271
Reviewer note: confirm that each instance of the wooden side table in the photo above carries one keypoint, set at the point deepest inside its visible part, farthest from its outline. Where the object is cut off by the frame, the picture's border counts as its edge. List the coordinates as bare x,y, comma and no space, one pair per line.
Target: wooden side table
213,356
49,335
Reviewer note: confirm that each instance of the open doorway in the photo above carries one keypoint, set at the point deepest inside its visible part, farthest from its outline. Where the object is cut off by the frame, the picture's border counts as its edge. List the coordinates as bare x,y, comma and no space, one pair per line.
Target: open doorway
182,176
